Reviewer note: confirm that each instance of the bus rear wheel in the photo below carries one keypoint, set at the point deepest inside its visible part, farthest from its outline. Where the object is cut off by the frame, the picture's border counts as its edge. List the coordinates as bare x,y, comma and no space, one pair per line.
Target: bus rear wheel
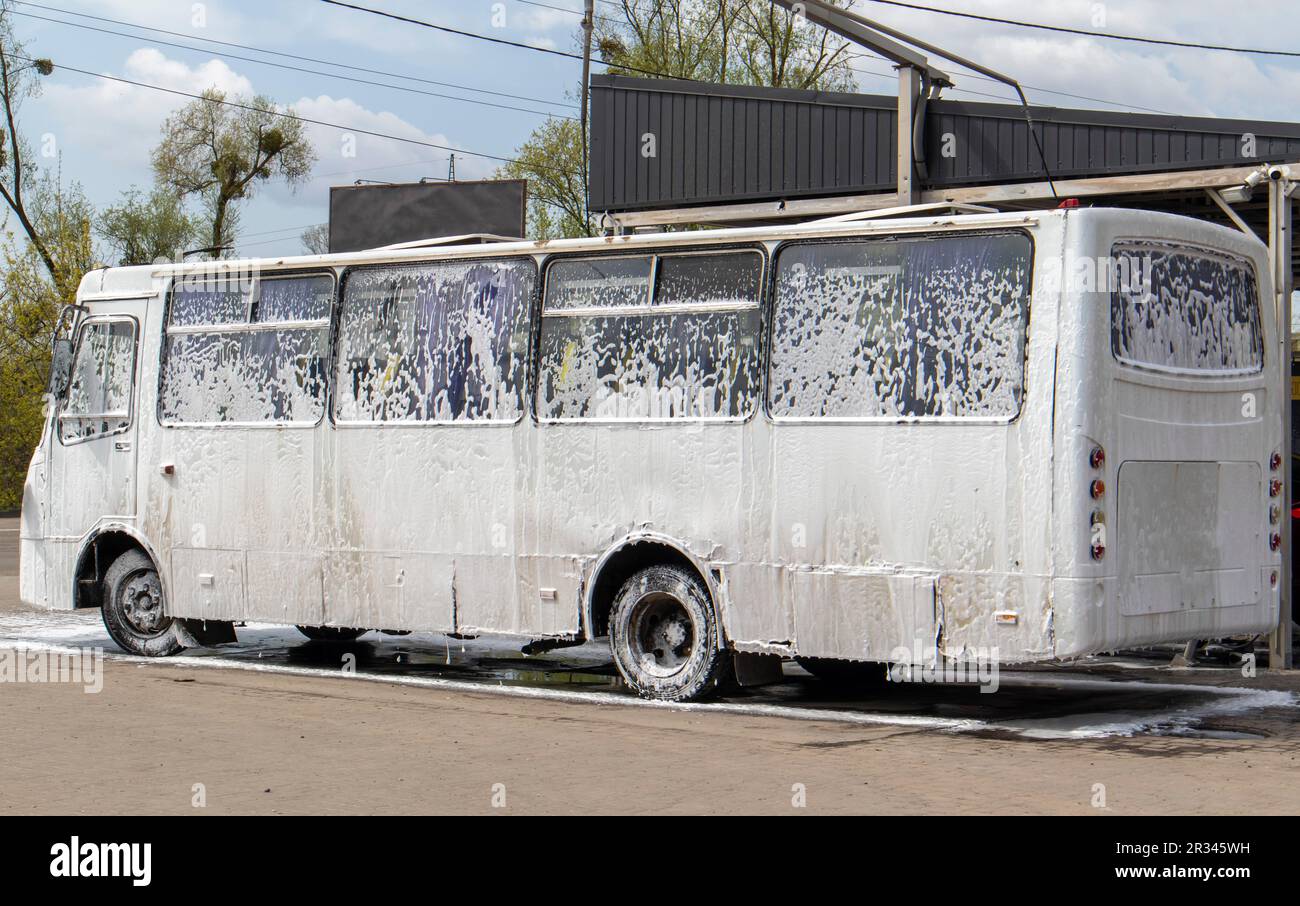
134,611
664,634
331,633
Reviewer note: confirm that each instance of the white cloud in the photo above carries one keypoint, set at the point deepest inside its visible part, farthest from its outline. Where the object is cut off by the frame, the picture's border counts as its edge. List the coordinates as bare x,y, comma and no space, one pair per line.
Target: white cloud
218,19
109,129
348,155
1181,81
118,124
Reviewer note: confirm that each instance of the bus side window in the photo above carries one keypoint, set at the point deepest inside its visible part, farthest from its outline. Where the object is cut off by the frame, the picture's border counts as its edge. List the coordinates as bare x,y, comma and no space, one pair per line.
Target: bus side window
247,354
98,400
611,351
911,328
444,342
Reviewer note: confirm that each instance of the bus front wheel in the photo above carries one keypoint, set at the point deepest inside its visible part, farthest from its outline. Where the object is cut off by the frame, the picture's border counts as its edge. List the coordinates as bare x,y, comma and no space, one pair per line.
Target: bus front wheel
665,637
134,611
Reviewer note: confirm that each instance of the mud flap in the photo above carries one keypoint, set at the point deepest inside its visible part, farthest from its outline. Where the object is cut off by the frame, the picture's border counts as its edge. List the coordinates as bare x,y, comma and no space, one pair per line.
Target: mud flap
757,669
204,633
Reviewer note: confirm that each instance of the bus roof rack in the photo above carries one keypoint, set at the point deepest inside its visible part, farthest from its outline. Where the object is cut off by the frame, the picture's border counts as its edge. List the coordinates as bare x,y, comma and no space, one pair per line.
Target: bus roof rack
437,241
910,210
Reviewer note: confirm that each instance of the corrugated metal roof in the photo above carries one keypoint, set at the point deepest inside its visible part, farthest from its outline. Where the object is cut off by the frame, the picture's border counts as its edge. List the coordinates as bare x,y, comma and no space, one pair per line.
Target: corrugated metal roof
720,143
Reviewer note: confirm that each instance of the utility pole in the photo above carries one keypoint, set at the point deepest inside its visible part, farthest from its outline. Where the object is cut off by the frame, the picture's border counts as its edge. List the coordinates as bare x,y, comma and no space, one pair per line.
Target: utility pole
588,25
451,169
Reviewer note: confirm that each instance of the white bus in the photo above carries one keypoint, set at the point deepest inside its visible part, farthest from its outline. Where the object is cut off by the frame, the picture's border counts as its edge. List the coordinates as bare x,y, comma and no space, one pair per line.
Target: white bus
948,434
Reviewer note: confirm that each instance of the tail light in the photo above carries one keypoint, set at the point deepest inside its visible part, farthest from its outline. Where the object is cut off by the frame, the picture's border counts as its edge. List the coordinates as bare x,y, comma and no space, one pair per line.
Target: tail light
1274,488
1274,542
1274,513
1097,490
1272,578
1275,461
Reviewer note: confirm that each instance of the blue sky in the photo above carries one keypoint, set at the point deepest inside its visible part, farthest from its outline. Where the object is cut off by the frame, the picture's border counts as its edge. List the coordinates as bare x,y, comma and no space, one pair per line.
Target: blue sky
104,131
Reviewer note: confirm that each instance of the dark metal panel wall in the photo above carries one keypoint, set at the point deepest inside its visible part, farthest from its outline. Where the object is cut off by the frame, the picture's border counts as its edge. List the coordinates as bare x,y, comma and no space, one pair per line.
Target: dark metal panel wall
709,146
718,144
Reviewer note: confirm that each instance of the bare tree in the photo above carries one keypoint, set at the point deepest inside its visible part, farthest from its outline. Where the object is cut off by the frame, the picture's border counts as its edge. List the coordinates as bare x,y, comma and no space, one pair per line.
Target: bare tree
316,240
19,80
220,149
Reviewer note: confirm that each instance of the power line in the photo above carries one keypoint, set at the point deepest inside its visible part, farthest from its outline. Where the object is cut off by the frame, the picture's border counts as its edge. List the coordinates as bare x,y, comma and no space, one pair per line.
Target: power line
454,31
285,230
287,56
985,94
1081,97
352,172
316,72
281,114
504,41
564,9
1090,34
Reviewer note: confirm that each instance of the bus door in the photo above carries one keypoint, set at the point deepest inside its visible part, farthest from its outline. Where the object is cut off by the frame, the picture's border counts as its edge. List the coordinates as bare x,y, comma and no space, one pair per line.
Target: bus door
93,441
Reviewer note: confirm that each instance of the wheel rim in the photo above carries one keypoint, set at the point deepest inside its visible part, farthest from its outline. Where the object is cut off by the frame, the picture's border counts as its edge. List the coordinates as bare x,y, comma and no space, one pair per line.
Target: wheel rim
142,604
662,635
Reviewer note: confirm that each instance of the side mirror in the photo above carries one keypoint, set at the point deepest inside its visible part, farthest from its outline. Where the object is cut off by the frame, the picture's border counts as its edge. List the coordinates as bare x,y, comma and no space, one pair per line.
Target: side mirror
61,367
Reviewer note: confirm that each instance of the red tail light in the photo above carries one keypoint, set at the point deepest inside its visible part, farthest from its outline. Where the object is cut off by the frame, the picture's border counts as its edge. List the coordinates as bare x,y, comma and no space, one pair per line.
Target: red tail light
1097,458
1275,461
1098,551
1097,489
1274,488
1274,541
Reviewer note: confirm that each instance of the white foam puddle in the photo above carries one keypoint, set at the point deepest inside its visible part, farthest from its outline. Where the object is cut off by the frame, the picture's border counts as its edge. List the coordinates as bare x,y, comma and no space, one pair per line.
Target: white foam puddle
1172,722
64,632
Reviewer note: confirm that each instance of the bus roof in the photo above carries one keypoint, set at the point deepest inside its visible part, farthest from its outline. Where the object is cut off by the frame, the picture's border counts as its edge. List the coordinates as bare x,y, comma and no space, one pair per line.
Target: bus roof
139,280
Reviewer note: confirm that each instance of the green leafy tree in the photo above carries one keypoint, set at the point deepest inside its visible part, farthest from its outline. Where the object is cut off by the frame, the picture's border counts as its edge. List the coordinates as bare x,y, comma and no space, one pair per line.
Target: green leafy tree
30,302
551,161
141,229
220,150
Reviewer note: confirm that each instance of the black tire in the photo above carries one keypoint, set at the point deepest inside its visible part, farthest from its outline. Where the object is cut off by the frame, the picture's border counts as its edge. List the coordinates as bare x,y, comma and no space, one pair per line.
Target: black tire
664,633
846,674
134,611
331,633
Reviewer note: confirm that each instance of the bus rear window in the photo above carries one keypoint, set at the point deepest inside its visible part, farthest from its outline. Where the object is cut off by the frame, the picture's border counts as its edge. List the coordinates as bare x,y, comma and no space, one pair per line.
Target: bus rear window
1185,311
